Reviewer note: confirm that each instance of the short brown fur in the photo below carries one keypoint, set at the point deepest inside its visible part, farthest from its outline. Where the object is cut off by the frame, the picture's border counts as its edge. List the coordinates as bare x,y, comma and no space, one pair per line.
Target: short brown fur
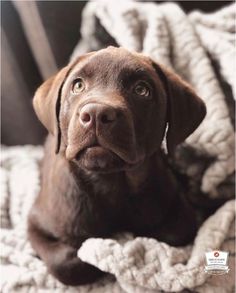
110,177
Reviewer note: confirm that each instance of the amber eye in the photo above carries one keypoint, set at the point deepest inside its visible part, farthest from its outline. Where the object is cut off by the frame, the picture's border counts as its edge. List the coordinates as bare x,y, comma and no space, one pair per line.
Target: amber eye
142,89
78,86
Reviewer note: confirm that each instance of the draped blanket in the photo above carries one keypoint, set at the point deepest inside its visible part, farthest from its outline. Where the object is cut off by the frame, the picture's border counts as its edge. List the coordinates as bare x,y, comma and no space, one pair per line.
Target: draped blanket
200,48
139,264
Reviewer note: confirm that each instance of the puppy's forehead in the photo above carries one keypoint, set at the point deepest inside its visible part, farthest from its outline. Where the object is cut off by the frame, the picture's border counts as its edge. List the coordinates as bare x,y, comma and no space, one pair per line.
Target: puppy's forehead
112,61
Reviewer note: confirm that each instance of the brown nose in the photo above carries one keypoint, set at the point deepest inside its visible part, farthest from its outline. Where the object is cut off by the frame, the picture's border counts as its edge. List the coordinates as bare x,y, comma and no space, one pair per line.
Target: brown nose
97,114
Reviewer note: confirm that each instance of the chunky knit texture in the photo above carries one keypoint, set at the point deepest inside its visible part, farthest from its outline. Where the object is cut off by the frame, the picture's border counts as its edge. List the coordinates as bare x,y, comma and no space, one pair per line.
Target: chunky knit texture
139,264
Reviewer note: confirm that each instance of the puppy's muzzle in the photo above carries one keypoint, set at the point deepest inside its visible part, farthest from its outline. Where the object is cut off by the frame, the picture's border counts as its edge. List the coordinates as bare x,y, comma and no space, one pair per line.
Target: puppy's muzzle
97,115
102,132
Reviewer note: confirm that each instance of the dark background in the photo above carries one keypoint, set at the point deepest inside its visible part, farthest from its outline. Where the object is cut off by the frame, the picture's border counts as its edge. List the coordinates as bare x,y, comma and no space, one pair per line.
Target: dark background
20,73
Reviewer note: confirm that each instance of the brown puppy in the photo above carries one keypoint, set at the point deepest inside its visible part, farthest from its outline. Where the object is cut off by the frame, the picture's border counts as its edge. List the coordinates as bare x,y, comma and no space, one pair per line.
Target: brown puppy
106,114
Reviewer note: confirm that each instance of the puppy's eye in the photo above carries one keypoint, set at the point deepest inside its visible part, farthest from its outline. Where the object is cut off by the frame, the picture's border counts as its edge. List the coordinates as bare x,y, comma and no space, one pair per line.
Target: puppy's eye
142,89
78,86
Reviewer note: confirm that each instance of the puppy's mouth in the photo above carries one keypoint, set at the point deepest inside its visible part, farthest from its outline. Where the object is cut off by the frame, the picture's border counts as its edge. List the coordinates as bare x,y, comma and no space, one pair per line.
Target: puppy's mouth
99,158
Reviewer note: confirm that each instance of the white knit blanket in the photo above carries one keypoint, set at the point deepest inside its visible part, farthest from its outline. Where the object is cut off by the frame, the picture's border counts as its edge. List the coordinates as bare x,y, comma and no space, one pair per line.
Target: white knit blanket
139,264
165,33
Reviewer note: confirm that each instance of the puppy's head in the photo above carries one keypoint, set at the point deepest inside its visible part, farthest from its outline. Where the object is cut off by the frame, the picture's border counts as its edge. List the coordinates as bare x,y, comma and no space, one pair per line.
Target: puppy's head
109,109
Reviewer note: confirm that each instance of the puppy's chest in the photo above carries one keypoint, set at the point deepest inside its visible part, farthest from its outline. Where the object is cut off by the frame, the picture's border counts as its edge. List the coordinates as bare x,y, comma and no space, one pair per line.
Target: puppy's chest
92,216
144,211
101,215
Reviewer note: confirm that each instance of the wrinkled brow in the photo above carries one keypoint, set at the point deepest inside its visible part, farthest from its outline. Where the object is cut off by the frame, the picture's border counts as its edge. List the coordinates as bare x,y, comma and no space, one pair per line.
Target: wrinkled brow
128,76
87,72
116,70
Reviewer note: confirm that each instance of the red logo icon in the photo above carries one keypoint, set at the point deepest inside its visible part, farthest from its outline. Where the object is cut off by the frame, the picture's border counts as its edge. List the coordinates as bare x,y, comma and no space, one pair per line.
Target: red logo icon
216,254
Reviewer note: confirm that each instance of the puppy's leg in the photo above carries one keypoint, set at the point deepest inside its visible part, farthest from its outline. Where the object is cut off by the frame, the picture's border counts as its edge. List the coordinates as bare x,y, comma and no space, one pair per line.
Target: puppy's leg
61,259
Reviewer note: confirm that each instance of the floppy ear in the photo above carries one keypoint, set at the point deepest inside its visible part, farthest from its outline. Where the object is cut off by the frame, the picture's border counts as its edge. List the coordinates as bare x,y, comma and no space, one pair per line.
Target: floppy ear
47,102
185,110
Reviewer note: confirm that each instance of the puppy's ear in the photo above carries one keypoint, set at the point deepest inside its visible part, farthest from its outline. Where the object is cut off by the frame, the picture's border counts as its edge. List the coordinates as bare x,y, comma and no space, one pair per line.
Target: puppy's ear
47,99
185,110
47,102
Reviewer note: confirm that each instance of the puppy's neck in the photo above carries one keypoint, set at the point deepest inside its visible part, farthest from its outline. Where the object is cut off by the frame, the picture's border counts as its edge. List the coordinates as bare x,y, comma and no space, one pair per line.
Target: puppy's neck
137,177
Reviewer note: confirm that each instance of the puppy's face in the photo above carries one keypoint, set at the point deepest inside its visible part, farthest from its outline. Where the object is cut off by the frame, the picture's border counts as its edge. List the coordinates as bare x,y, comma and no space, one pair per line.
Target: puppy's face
111,104
109,109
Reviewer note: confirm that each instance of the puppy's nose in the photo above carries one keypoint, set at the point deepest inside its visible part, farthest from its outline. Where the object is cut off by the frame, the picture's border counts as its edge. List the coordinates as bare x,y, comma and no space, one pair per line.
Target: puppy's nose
92,114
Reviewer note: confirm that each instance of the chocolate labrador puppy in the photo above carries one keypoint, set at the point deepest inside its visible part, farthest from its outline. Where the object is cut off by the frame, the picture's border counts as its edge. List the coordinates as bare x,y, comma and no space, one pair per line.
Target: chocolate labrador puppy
103,170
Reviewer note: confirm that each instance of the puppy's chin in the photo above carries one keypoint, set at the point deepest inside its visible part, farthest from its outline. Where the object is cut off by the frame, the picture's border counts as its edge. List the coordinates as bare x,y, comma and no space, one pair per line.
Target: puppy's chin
99,159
